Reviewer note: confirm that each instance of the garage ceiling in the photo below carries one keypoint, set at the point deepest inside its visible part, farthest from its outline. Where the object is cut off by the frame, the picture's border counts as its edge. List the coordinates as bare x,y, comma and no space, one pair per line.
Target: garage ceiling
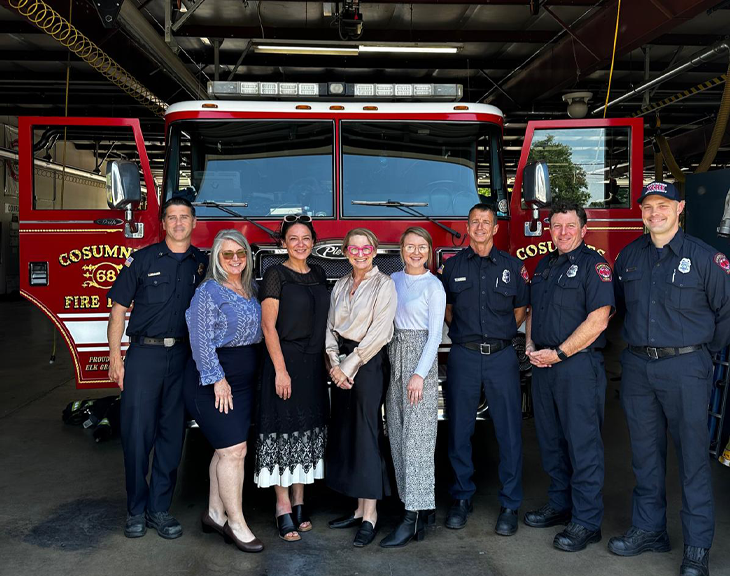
519,55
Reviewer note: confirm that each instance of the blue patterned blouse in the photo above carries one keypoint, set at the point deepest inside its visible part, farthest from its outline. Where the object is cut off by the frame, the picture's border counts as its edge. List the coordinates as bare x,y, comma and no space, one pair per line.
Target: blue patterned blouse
218,318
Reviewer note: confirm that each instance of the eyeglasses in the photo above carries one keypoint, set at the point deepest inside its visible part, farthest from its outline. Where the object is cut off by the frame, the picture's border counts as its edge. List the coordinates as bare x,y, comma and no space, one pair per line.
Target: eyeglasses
297,218
229,254
411,248
364,250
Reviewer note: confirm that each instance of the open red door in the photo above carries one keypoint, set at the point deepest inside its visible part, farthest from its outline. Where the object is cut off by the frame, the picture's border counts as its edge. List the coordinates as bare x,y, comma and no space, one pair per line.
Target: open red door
597,163
72,245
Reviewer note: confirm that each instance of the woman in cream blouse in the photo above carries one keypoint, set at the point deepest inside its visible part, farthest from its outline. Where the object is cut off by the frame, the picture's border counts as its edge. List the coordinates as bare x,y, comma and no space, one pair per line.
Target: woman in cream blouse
359,325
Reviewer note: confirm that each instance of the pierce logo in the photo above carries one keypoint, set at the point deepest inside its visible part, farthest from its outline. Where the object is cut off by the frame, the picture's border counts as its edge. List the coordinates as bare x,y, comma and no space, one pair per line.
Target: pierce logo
330,251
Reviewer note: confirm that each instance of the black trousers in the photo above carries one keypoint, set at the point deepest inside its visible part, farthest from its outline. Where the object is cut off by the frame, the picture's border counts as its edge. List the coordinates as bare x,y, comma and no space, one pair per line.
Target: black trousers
468,373
569,399
152,415
670,393
354,461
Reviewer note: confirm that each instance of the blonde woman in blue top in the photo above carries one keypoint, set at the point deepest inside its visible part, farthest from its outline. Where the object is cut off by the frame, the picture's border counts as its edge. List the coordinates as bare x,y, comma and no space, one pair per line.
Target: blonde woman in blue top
224,321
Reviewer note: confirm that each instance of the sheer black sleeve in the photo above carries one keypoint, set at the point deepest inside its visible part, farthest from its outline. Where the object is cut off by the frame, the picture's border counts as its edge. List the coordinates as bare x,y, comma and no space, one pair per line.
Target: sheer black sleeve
270,285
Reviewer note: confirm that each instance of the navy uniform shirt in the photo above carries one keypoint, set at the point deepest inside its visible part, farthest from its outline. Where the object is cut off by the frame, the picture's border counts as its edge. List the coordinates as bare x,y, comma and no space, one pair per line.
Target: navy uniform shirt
161,286
483,292
565,290
680,299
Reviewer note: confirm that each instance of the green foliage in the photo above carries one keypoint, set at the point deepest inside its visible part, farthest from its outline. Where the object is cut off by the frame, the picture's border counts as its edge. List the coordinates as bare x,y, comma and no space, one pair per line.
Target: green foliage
568,180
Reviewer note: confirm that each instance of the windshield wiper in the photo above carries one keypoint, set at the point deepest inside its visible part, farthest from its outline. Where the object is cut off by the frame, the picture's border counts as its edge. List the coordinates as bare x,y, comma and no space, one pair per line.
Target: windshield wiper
226,207
408,208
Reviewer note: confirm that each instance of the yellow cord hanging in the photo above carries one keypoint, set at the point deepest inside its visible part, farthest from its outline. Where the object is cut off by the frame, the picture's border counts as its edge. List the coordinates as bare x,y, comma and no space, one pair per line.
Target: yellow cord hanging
613,57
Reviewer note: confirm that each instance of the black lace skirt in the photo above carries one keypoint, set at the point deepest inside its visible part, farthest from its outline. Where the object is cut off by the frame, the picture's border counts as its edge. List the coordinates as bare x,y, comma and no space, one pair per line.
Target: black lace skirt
292,433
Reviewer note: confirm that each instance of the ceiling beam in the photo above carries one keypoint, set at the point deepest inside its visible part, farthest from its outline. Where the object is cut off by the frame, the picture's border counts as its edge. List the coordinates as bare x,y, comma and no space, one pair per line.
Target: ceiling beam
566,61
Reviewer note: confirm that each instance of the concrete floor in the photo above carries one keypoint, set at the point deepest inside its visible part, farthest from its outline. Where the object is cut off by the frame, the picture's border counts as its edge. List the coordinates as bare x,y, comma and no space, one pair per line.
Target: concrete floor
63,499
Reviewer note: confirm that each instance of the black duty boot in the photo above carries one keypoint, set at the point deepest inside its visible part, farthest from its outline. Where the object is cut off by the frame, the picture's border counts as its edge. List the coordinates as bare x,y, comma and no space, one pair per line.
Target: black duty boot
412,526
637,541
458,512
547,516
575,538
696,562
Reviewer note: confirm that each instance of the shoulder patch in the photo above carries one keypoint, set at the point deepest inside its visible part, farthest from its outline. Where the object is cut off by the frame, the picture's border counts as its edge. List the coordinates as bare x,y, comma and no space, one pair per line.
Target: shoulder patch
722,261
604,272
524,274
128,261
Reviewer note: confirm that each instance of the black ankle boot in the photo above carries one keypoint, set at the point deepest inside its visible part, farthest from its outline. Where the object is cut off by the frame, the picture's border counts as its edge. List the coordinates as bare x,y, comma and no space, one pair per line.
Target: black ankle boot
412,526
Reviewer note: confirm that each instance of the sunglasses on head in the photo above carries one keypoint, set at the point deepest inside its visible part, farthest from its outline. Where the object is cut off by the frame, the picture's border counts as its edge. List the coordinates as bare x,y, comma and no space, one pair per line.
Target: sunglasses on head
297,218
229,254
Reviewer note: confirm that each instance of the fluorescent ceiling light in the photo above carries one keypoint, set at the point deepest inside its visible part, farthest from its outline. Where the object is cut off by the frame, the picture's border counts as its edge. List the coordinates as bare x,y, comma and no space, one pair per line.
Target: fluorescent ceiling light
292,49
205,41
410,49
340,50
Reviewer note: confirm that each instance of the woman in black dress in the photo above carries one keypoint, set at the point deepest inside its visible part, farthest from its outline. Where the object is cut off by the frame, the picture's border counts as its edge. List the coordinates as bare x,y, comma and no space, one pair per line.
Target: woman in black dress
293,405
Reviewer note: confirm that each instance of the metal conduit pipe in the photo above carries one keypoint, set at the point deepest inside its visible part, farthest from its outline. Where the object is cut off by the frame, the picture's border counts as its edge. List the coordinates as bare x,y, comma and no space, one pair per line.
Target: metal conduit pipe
707,56
137,26
52,23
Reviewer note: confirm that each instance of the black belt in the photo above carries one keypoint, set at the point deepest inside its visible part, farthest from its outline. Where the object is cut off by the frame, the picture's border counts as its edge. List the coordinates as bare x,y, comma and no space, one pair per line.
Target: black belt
487,347
541,347
166,342
656,353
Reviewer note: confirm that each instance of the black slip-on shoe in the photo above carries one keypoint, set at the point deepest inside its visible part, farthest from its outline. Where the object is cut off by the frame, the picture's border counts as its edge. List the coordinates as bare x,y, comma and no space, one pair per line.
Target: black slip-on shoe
345,522
506,522
365,535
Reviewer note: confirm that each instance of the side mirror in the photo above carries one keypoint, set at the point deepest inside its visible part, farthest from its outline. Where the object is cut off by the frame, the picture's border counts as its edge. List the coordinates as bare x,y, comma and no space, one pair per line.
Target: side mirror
122,184
536,184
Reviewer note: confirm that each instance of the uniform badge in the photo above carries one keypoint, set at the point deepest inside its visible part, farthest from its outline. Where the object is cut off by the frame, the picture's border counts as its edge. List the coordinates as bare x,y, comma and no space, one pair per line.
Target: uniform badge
128,262
505,276
572,271
722,261
524,274
200,269
604,272
684,265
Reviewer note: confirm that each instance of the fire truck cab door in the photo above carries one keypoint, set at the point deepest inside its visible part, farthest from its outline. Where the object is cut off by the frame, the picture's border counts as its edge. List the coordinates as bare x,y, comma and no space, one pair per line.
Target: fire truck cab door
72,245
595,163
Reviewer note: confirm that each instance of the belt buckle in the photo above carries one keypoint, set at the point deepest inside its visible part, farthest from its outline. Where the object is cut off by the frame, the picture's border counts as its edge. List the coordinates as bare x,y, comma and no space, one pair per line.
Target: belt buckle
168,342
652,352
482,349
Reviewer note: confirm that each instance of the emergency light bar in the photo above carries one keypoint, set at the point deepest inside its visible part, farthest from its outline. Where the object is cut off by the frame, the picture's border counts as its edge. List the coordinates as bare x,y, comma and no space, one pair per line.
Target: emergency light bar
334,91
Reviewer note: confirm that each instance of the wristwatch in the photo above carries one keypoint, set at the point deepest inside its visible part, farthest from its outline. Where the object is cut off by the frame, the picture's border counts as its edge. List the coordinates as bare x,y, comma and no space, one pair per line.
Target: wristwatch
562,355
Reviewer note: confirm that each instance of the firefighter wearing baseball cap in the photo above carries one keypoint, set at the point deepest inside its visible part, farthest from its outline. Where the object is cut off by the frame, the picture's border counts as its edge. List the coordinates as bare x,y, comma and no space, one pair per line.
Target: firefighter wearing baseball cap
675,291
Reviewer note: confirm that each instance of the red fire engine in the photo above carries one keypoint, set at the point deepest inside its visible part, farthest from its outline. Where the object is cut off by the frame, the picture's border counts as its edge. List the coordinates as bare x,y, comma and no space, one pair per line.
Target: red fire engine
381,156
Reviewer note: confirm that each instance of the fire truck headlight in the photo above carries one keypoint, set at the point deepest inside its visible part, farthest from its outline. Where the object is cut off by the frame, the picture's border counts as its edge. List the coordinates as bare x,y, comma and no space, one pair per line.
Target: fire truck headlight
336,88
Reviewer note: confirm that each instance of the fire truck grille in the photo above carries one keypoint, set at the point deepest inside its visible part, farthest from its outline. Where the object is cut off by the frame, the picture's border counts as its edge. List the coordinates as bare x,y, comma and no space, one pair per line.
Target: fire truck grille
334,268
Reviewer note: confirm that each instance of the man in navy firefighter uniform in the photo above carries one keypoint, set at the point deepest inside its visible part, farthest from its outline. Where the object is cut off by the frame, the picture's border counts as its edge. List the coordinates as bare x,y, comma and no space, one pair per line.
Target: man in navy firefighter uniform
487,293
160,280
676,291
572,299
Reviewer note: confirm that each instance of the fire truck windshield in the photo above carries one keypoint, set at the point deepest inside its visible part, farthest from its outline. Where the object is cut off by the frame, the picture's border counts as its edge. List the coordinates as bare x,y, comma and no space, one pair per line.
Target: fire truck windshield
446,166
271,168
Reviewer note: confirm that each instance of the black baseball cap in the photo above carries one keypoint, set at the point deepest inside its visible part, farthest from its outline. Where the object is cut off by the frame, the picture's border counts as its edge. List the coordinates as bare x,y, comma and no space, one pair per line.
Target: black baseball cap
665,189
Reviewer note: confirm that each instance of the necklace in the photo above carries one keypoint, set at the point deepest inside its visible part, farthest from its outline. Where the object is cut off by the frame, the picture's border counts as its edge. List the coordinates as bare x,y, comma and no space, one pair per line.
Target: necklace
237,289
411,279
